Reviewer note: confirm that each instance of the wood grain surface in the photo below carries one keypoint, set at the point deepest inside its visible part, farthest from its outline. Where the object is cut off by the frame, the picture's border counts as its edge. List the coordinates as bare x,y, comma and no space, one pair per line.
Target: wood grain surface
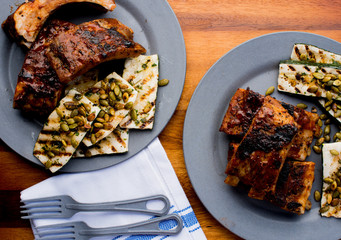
211,28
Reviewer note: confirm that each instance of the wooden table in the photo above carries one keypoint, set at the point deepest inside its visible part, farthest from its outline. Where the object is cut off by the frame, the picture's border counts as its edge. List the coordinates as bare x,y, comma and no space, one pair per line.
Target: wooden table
211,28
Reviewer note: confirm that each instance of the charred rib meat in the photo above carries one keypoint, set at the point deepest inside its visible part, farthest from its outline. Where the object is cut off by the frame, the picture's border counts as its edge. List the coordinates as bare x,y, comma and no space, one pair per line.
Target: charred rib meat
246,103
38,87
300,146
263,150
277,131
78,50
25,23
293,186
242,108
308,128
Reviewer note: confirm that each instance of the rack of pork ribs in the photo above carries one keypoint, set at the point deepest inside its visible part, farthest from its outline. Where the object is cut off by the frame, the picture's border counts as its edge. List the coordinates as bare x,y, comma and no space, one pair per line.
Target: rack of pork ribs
63,51
269,143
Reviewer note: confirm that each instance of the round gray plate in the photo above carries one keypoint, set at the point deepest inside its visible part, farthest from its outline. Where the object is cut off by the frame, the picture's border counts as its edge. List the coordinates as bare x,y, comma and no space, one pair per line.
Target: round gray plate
155,26
253,64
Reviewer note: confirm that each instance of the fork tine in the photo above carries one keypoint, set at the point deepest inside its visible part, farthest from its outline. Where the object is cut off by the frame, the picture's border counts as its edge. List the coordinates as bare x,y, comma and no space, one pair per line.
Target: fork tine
49,207
54,226
41,210
54,231
57,231
41,204
42,215
54,198
65,236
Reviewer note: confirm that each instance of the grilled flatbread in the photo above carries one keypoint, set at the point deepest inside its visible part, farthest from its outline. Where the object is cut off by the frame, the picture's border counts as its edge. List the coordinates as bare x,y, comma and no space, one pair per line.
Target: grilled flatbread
114,105
115,142
64,130
143,73
330,203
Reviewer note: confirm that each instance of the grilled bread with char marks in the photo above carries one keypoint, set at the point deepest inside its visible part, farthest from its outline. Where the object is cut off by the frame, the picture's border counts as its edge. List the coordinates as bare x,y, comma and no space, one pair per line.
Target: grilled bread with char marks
116,142
143,74
56,145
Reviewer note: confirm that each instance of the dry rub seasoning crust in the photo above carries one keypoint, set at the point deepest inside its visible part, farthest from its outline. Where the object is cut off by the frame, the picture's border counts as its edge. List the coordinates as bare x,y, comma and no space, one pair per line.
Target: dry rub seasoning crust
263,150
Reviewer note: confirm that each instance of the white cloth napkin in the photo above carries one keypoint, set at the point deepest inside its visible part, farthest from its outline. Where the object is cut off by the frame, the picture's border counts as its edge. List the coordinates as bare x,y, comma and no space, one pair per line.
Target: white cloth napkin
147,173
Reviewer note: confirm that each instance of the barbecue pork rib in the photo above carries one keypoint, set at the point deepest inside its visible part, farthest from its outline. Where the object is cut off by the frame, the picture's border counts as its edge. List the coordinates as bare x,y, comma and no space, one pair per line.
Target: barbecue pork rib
246,103
308,128
242,108
261,154
24,24
38,87
293,186
83,47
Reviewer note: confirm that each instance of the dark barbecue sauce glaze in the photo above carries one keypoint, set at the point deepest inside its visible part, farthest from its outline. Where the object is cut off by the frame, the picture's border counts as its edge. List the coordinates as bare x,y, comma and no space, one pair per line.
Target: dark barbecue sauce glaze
38,87
260,139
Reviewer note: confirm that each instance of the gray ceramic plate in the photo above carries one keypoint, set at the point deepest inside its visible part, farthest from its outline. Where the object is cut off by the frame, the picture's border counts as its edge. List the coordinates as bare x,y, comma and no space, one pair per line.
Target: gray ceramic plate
253,64
155,27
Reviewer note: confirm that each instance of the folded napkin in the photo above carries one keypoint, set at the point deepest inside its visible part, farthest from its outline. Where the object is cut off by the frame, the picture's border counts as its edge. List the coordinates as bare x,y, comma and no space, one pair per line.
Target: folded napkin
147,173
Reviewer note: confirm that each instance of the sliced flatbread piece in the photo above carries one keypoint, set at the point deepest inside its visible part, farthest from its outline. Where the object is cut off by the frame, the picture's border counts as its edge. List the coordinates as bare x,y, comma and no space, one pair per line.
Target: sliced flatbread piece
116,97
310,79
115,142
306,52
64,130
143,73
331,190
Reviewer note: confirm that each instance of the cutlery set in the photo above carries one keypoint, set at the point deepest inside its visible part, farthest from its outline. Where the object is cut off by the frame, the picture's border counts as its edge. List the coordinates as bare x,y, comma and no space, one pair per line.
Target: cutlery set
65,207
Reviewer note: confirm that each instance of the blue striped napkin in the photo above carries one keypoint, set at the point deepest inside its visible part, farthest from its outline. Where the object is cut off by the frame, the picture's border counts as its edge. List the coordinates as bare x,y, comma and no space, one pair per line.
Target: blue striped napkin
147,173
